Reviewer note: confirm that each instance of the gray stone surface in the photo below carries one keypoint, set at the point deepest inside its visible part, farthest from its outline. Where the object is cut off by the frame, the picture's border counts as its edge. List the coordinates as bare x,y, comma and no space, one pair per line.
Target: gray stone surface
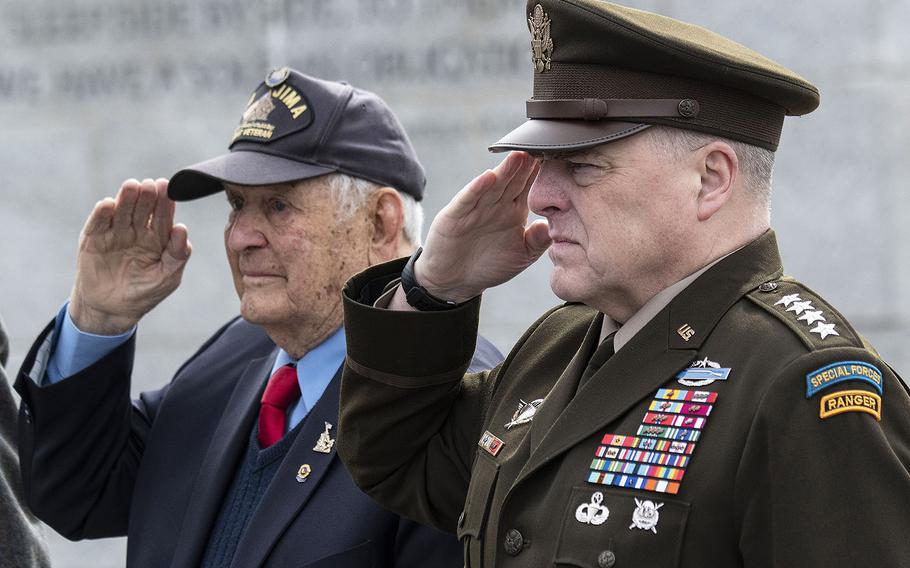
100,90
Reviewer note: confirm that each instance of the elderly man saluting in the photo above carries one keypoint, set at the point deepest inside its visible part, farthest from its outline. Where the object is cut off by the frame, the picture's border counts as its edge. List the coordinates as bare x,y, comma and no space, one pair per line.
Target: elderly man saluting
233,462
689,406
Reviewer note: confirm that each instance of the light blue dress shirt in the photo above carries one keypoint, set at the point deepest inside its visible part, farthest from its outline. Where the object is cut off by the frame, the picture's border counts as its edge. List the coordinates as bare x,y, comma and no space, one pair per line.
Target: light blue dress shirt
77,350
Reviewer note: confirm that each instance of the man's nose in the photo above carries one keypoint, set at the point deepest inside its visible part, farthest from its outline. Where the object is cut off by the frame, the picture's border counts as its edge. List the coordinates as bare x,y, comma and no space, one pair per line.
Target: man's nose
547,196
243,232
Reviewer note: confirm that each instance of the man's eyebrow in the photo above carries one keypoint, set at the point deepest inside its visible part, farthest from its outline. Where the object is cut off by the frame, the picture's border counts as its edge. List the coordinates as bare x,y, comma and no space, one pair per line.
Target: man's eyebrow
586,153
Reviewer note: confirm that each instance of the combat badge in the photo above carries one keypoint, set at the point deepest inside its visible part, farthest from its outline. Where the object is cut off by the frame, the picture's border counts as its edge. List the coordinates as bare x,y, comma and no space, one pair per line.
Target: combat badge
541,42
490,443
325,443
702,373
850,401
593,513
646,515
525,413
841,371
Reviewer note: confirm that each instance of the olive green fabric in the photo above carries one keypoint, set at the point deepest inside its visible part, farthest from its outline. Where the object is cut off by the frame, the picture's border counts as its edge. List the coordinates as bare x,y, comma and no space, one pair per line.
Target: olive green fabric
769,484
606,51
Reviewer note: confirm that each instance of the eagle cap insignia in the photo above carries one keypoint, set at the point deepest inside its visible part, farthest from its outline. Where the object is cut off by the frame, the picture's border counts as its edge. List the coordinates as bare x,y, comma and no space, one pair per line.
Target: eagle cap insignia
541,42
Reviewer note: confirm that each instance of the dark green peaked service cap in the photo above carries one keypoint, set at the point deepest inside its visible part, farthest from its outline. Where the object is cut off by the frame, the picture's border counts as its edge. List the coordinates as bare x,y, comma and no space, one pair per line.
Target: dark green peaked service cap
603,72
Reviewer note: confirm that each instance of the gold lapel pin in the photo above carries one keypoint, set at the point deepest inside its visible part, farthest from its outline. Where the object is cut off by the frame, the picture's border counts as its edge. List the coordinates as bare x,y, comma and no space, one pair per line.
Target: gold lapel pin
303,472
325,442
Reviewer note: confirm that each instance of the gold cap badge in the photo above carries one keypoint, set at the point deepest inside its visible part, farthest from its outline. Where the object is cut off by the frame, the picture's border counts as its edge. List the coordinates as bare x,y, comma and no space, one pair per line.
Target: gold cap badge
541,42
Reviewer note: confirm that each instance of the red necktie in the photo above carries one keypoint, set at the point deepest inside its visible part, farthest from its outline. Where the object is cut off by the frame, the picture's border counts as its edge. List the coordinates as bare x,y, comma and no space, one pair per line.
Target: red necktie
281,392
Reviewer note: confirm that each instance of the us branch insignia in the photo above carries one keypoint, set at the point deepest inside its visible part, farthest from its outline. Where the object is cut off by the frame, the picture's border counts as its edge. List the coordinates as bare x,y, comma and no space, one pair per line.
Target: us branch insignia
541,42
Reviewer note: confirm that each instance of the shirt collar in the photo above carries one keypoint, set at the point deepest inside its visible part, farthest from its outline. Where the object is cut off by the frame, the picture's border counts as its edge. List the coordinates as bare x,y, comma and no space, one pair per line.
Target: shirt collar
316,369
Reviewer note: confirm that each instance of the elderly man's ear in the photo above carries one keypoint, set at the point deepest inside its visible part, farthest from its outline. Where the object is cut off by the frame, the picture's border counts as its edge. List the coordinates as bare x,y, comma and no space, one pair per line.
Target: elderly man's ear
718,167
387,216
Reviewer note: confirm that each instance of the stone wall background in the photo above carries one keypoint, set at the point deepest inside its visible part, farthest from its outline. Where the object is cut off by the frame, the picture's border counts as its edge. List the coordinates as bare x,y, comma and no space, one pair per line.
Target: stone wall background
98,91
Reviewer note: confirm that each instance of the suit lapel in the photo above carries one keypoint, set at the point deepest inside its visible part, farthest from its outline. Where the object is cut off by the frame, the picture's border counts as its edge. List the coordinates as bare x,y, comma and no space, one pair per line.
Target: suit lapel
219,465
285,496
635,372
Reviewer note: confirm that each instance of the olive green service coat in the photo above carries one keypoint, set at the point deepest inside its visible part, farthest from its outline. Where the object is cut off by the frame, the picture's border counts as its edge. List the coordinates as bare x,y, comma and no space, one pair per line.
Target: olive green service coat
768,482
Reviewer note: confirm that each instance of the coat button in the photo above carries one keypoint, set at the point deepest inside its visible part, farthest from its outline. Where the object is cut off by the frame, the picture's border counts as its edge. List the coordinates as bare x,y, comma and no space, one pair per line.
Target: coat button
768,287
606,559
514,542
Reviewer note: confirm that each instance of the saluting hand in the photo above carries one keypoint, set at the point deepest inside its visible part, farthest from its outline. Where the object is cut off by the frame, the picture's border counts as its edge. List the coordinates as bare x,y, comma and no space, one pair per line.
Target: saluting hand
482,237
131,256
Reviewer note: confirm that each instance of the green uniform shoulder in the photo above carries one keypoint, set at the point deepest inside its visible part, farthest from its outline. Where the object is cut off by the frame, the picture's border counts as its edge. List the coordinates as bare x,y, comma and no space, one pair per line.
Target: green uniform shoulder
817,324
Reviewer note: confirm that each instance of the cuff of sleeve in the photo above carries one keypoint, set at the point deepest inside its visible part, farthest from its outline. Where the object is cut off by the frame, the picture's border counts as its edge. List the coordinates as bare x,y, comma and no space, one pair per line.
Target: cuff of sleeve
406,349
77,350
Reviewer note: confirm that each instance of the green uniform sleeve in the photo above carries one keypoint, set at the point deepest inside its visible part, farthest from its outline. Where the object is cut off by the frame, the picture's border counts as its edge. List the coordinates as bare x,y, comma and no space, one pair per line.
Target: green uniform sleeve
409,415
824,479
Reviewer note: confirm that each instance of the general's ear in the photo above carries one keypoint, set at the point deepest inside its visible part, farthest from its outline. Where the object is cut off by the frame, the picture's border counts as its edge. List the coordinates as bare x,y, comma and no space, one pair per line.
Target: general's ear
718,167
387,217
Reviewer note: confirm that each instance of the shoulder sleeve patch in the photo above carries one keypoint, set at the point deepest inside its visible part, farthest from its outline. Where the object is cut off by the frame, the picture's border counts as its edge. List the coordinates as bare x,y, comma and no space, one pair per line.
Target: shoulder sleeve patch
835,373
815,321
850,401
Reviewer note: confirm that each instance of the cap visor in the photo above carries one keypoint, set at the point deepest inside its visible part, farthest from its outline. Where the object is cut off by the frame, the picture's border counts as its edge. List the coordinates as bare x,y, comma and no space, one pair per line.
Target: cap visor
239,168
541,135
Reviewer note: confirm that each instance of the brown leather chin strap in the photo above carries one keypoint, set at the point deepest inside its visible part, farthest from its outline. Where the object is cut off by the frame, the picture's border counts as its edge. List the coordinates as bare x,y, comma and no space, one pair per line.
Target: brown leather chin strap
597,109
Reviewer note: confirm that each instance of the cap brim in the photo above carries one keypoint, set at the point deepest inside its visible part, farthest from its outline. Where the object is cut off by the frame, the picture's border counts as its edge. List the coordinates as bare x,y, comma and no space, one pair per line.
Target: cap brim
545,135
239,168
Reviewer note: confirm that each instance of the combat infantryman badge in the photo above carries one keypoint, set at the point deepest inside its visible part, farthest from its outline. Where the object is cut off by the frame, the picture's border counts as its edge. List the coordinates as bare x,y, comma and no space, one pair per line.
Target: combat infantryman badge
702,373
593,513
525,413
645,516
541,42
325,443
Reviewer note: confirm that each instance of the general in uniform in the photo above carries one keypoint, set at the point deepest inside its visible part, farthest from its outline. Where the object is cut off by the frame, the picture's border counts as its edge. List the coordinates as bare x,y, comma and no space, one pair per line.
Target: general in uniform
689,405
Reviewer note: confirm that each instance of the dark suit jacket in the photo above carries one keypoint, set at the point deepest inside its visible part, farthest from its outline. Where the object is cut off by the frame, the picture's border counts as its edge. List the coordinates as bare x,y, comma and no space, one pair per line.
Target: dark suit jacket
778,476
96,465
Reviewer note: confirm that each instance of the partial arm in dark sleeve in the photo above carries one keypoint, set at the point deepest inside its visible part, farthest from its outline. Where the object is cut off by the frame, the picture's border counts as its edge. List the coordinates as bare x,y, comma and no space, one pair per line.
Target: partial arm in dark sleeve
80,444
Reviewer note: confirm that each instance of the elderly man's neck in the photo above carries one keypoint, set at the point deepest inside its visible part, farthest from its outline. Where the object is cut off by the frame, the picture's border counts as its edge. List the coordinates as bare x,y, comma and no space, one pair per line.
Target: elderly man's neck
300,338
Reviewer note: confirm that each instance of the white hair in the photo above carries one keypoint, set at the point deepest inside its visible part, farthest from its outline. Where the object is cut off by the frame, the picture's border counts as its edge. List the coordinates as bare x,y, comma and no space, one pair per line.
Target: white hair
351,194
756,164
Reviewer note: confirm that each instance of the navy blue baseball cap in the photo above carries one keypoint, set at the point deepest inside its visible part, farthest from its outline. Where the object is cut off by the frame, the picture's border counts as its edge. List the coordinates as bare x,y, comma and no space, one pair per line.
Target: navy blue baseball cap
298,127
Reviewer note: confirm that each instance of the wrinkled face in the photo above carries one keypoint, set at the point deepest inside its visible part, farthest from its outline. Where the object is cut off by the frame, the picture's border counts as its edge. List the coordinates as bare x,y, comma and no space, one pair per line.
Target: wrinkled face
290,254
618,215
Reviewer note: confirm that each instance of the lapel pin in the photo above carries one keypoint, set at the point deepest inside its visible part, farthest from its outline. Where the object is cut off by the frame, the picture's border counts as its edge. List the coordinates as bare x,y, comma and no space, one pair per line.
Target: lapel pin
685,331
490,443
325,443
303,472
525,413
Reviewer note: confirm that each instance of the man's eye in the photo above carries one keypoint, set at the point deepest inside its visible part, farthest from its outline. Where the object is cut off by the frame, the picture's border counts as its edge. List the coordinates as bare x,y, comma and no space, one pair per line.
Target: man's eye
279,206
236,203
575,167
